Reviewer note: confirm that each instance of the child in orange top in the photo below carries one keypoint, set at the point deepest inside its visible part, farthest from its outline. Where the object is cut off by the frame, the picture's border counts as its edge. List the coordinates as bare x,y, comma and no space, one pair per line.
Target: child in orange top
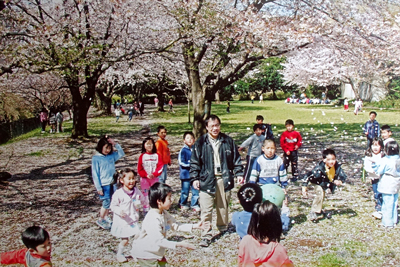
37,252
163,151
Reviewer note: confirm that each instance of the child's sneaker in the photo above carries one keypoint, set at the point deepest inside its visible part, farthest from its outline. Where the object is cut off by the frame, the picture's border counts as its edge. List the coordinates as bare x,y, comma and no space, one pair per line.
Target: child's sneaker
196,208
103,224
121,258
184,207
108,220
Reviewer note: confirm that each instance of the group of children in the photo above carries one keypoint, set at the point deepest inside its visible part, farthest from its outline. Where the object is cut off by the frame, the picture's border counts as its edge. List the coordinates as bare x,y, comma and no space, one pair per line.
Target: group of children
382,165
263,197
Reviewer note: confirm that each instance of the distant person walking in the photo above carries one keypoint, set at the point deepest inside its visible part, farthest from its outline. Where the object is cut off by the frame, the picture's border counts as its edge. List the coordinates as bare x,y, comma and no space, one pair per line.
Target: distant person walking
261,99
155,101
171,106
43,119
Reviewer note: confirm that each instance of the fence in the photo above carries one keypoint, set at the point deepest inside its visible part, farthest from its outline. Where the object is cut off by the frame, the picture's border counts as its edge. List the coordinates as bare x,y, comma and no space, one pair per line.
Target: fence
11,130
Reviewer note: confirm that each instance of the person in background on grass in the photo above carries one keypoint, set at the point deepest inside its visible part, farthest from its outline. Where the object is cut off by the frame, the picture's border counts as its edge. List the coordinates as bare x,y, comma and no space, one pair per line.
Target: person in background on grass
214,163
266,128
163,151
171,106
52,120
252,99
269,168
43,119
37,252
254,144
260,247
141,108
291,141
371,128
386,134
346,104
357,106
374,154
228,106
125,205
389,183
103,170
327,174
150,167
117,113
59,119
150,245
248,195
184,168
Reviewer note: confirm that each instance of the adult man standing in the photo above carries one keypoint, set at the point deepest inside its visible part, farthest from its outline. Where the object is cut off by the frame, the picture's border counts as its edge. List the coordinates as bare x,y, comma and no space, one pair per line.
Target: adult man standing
214,163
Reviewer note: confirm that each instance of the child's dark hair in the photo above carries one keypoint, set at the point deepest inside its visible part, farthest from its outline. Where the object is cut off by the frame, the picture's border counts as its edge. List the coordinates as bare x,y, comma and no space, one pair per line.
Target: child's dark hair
268,141
265,223
373,112
289,122
212,117
391,148
118,175
158,191
249,195
154,150
259,118
186,133
161,127
327,152
34,236
386,128
102,142
378,140
257,126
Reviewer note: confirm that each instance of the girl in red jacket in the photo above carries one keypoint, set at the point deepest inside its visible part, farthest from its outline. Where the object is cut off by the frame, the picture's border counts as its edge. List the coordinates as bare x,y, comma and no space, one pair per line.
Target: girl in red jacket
150,166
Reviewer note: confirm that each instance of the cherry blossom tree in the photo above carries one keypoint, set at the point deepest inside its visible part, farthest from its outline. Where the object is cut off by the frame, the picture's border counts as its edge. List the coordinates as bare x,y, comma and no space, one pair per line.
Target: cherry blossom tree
79,40
362,46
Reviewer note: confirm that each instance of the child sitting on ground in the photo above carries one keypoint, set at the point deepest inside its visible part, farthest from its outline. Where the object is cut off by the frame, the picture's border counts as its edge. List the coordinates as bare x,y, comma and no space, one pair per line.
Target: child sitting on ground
260,247
389,184
269,167
184,167
125,205
37,252
327,174
254,143
248,195
291,141
374,154
150,245
276,195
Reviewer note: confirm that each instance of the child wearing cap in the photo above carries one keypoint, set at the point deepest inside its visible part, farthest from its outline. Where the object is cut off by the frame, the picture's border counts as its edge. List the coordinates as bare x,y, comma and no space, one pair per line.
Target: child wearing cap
249,195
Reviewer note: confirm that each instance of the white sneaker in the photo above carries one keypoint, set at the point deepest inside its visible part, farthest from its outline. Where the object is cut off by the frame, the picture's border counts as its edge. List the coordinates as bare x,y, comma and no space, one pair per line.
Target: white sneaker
377,214
196,208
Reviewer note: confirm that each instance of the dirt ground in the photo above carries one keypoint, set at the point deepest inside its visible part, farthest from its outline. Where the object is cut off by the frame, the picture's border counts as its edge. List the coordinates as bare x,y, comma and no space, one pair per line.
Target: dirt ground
51,186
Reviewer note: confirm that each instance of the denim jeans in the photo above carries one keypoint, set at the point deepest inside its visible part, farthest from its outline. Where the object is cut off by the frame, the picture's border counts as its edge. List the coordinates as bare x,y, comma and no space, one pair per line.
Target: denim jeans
163,177
389,209
377,195
185,194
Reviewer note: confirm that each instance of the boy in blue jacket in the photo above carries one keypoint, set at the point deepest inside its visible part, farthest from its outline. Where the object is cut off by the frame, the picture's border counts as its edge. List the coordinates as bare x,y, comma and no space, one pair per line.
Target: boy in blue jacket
184,167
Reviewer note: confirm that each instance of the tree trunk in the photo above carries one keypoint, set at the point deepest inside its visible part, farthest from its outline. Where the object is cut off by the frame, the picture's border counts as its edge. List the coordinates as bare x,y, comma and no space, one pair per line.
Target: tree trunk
188,101
217,100
198,100
105,102
161,101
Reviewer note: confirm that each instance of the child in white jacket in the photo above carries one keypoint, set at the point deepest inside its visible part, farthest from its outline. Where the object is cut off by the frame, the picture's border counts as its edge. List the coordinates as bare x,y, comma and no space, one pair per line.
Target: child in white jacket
389,183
